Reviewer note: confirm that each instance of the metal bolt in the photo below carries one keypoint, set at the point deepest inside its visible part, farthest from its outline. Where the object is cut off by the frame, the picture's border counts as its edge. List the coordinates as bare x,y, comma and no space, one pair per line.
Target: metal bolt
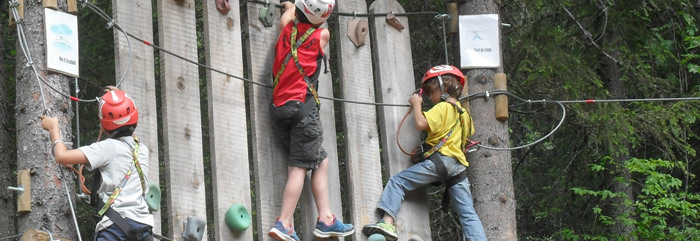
19,189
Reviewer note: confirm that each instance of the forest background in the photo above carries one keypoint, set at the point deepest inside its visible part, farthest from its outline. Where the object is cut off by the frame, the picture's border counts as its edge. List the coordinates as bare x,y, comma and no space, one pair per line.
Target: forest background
619,170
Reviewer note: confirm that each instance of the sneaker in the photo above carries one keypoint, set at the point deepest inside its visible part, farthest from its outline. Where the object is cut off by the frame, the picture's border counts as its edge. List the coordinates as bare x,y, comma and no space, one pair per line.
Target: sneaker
280,233
381,227
336,229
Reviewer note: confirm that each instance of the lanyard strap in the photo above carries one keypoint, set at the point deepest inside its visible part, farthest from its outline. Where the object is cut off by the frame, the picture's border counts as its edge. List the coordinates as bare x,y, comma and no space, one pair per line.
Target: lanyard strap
293,54
120,188
442,142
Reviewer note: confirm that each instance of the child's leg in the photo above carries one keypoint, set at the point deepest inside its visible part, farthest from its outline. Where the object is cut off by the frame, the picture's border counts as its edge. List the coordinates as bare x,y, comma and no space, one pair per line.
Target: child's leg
292,191
410,179
462,200
319,187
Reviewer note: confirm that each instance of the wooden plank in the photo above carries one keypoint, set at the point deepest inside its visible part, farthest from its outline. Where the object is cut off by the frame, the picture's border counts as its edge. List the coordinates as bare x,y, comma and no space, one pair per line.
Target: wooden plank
39,235
227,117
136,18
395,81
359,122
50,4
24,200
269,161
73,6
309,213
182,131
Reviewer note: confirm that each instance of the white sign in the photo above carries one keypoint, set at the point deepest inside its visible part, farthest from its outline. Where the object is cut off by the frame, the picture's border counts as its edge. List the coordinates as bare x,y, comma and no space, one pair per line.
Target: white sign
61,42
479,41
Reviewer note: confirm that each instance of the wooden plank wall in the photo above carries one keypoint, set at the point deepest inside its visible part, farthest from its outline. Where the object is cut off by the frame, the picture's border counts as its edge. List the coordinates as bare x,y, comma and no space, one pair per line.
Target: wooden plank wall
269,161
395,83
361,135
330,144
182,131
227,117
136,17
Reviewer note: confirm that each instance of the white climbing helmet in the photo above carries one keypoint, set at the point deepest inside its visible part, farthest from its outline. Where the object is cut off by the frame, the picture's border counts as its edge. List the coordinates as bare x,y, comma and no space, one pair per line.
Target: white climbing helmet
317,11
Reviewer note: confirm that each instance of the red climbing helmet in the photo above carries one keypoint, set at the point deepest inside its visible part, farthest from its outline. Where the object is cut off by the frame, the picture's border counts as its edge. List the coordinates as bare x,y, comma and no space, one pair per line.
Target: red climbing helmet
443,70
317,11
116,110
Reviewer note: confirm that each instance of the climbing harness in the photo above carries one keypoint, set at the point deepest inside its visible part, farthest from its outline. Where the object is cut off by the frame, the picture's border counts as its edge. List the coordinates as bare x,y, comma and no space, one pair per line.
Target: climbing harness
119,189
106,209
294,45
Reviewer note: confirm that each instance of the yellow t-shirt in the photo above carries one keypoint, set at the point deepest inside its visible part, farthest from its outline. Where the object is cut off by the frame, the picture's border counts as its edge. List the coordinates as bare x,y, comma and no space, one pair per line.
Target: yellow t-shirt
441,118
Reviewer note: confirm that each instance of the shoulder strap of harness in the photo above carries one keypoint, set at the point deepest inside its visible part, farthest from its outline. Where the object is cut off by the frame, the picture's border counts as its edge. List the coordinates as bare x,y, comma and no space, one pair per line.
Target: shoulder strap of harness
293,54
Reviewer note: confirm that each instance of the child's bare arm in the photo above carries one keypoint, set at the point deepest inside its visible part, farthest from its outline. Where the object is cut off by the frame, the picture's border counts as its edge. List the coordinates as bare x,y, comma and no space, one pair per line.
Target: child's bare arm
421,122
60,151
287,14
325,37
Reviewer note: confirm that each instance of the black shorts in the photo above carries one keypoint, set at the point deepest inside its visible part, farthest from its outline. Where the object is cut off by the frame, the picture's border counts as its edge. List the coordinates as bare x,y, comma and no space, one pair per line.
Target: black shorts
301,140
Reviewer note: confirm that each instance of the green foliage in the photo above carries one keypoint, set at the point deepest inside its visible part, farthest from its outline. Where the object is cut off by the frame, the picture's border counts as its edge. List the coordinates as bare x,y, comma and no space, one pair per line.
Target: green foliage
664,209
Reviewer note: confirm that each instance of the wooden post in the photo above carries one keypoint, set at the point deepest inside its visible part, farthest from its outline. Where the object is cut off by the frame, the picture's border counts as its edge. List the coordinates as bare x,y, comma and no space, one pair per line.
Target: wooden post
396,83
499,81
182,131
136,17
490,172
453,26
308,211
269,161
227,117
359,122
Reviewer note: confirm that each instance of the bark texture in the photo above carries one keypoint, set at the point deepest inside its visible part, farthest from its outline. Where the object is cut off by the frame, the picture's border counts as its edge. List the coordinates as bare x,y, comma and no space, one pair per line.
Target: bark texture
50,209
490,172
7,162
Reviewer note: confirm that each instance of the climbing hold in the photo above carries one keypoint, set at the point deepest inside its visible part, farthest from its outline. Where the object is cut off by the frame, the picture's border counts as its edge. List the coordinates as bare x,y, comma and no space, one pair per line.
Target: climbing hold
223,6
357,31
238,218
415,237
267,15
194,229
393,21
153,197
376,237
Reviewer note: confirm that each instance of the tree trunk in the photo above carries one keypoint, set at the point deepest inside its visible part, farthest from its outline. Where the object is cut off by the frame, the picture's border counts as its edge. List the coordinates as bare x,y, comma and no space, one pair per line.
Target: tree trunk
611,72
7,199
50,209
490,172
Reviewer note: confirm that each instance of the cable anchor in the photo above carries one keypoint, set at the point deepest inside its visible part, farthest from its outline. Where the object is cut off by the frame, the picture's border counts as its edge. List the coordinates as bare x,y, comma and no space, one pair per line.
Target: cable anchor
110,24
19,190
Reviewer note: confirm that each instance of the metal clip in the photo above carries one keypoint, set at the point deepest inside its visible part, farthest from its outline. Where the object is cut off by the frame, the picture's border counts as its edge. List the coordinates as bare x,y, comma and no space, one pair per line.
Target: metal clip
487,95
110,24
472,144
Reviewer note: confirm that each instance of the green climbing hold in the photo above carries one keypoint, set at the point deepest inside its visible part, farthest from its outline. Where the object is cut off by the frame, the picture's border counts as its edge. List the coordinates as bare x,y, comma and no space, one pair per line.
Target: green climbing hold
376,237
153,197
237,217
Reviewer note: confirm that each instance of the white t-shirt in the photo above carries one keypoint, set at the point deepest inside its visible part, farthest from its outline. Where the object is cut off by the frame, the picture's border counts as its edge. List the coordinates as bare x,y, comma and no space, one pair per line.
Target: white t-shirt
114,158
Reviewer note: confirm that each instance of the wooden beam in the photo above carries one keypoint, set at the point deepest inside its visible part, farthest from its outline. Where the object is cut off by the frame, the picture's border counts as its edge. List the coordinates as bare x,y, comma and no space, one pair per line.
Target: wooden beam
39,235
330,144
228,137
361,135
269,161
182,131
136,17
395,82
